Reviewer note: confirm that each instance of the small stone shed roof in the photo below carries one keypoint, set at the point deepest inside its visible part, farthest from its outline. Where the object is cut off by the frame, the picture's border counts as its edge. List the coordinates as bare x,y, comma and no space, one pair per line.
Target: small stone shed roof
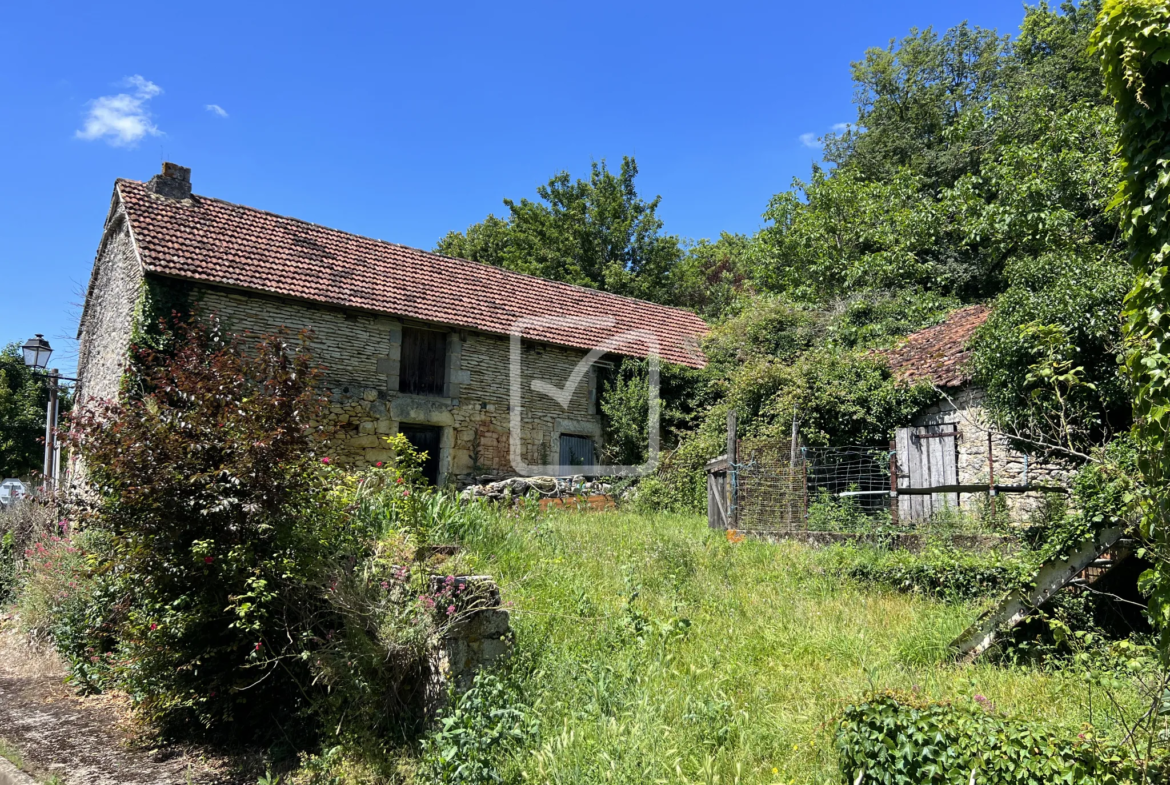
938,354
210,240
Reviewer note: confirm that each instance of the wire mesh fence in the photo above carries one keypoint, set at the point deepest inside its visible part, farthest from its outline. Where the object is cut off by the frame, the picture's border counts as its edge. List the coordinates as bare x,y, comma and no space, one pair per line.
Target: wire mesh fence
778,489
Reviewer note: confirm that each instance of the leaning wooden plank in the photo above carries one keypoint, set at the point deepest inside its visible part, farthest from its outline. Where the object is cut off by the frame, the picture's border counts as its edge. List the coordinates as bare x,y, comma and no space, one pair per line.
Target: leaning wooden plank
1055,574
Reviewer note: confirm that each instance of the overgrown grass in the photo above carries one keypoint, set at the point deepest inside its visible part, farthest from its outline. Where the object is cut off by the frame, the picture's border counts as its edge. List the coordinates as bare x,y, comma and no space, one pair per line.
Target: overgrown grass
653,650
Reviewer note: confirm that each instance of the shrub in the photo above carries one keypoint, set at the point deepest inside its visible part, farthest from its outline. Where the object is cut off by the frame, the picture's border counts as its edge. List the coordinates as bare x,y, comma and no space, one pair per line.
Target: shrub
937,571
20,526
897,739
830,513
476,730
219,529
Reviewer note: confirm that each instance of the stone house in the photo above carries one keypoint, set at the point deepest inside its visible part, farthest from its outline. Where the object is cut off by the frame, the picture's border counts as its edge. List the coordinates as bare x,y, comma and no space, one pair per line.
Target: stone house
955,438
491,372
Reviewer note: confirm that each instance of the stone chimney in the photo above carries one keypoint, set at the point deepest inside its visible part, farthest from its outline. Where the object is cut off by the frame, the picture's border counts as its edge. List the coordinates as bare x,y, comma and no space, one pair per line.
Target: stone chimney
173,183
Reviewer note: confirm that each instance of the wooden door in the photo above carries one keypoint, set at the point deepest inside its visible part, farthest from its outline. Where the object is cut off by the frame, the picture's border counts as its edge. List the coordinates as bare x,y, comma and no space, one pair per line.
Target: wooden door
927,458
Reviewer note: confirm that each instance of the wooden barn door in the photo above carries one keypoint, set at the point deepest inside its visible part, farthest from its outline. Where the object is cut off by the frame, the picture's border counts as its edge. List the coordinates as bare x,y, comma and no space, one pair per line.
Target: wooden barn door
927,458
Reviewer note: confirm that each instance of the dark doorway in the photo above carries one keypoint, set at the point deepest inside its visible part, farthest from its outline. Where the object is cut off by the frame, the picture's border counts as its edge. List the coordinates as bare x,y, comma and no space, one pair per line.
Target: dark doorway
576,453
425,439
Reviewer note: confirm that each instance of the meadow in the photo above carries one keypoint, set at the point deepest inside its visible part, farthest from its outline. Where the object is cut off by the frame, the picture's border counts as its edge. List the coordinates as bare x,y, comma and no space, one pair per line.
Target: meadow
651,649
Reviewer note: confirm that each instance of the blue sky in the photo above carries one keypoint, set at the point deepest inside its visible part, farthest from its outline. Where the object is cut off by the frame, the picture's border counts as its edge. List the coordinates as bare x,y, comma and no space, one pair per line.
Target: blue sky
405,120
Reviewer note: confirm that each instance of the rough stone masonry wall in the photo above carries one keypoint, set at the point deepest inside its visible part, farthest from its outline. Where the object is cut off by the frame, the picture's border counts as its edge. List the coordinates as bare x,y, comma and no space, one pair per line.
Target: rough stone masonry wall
108,320
965,409
360,354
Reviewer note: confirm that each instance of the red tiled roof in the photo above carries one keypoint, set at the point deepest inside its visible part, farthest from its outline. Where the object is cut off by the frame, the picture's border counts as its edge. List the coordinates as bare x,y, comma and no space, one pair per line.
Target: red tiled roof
938,354
210,240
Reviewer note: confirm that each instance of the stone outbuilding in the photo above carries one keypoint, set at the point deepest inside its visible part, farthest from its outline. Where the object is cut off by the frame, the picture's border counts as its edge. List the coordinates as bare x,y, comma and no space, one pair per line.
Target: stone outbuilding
954,442
493,373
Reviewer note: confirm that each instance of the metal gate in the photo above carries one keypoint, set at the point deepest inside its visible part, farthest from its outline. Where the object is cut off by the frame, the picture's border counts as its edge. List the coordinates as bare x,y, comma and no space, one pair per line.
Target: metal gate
927,458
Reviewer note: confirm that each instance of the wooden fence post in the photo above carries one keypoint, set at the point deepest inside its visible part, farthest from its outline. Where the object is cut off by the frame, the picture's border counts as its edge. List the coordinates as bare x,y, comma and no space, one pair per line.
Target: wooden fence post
894,483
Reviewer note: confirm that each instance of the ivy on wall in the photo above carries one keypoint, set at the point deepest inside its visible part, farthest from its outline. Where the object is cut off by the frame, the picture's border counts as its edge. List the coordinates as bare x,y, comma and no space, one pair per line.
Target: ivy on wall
1133,41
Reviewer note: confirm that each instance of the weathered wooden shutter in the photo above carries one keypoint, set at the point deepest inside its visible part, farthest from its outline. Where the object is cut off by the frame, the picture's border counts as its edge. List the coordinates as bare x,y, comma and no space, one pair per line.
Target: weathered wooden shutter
575,451
423,366
927,458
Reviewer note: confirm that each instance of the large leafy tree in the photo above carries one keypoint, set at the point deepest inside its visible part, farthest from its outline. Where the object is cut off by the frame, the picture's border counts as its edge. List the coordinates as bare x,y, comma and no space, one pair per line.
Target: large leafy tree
23,400
596,232
910,94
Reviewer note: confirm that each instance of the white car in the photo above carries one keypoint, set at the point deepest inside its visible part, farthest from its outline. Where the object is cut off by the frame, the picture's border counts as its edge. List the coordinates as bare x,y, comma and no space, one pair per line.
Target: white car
12,490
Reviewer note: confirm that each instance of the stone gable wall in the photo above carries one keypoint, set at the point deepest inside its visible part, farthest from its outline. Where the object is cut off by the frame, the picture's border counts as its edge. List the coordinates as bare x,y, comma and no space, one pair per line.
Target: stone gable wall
360,354
966,410
108,320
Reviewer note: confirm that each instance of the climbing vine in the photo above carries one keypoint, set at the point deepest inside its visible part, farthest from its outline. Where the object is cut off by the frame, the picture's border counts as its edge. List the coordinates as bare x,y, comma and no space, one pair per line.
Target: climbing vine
1133,41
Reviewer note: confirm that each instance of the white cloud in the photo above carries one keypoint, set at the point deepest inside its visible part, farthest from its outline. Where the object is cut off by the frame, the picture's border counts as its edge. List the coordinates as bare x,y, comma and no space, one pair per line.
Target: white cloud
217,110
124,118
810,140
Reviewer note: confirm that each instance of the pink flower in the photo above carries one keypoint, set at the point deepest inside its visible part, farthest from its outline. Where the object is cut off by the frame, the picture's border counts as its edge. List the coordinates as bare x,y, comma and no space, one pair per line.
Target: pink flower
450,610
406,493
399,481
153,626
325,461
208,559
258,645
378,464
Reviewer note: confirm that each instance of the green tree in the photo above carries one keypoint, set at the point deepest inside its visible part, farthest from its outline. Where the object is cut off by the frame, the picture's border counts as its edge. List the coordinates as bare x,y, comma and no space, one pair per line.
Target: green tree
840,232
23,400
713,277
909,94
597,233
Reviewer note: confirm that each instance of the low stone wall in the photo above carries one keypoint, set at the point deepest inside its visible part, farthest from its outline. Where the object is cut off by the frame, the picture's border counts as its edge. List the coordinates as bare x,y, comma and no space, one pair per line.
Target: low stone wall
479,636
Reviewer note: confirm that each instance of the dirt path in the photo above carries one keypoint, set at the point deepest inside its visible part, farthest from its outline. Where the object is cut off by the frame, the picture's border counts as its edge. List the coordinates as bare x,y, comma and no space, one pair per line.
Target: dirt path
84,741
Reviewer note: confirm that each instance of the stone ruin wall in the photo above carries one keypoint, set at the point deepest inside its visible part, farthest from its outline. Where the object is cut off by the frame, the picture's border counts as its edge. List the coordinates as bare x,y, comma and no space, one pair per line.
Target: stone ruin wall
360,355
965,409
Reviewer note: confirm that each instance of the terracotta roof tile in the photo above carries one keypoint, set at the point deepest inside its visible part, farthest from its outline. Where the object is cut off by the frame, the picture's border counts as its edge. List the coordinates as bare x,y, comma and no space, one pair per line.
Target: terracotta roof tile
938,354
210,240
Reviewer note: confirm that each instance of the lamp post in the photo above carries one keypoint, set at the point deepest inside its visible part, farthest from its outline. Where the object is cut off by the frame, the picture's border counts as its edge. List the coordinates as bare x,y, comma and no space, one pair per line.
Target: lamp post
36,357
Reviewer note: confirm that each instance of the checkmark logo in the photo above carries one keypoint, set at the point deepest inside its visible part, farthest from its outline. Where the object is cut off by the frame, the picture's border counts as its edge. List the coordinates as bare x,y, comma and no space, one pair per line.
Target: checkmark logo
638,343
563,395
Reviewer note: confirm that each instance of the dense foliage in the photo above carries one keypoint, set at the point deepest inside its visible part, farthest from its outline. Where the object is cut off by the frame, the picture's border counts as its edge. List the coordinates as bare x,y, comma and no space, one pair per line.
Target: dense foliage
207,488
899,739
1134,42
228,576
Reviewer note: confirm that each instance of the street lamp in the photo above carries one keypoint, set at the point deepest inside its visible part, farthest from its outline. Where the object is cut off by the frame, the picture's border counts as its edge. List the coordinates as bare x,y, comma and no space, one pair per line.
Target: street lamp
36,352
36,357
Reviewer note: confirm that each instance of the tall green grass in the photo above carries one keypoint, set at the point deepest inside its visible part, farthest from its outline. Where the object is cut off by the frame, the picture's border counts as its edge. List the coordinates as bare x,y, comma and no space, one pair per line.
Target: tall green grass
653,650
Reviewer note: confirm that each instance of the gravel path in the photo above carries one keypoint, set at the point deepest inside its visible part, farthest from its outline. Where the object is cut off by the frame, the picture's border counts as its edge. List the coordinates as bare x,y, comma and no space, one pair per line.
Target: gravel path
84,740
